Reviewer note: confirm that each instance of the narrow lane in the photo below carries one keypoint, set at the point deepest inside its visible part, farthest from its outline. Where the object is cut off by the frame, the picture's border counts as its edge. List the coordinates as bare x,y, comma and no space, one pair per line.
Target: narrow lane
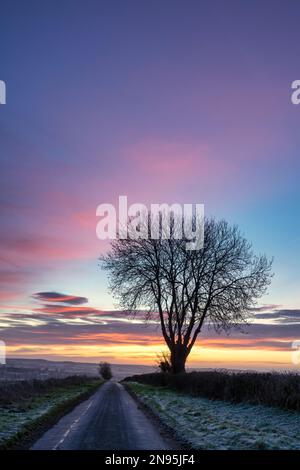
109,420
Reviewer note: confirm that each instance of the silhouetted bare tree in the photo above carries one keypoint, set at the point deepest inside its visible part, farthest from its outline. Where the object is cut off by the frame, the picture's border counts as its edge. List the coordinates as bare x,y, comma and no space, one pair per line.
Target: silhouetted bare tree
217,284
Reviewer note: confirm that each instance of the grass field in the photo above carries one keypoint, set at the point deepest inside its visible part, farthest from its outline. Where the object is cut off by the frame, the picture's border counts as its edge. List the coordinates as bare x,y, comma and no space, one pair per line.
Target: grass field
209,424
280,389
24,414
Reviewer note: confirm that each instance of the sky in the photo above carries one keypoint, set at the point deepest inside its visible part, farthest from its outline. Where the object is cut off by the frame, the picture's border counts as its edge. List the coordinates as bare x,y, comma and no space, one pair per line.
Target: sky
171,101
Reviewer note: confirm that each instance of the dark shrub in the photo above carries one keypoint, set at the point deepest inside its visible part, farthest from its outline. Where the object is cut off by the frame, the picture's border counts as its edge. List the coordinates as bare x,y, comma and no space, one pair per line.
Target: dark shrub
164,362
105,370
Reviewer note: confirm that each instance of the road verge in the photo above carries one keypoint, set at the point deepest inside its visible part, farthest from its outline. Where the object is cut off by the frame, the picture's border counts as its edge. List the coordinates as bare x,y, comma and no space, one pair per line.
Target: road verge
24,424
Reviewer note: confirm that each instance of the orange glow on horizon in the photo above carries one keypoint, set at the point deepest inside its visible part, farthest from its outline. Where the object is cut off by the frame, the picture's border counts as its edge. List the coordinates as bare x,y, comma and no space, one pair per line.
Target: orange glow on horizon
131,351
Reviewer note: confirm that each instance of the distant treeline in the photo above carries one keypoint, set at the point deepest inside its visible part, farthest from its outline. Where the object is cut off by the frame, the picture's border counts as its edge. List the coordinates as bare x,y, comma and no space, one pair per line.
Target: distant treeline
11,392
272,389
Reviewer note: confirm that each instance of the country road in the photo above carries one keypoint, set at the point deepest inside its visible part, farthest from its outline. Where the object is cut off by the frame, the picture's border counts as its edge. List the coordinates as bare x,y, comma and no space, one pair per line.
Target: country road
109,420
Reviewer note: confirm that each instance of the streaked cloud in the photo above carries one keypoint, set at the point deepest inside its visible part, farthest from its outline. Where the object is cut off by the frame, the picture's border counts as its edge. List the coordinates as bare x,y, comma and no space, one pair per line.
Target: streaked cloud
282,315
58,297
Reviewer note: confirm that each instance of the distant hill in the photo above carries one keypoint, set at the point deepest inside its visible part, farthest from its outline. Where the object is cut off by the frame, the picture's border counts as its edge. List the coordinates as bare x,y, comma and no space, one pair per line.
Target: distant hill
21,368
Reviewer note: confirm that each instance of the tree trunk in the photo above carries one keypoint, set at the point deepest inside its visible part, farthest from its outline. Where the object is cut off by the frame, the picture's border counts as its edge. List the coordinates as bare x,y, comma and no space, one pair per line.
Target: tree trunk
179,356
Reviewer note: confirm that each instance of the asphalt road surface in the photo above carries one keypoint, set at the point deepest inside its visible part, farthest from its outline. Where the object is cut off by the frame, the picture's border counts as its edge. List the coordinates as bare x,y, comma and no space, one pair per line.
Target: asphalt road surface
109,420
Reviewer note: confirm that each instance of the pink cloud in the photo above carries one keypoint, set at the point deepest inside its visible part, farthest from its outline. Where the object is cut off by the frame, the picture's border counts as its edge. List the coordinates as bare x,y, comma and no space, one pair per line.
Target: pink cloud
68,310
